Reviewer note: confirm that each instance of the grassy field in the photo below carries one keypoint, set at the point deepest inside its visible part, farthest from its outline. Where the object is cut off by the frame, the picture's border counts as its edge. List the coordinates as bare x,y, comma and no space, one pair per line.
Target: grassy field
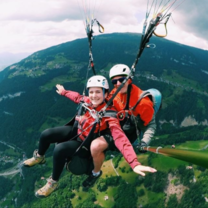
174,77
160,162
193,145
164,163
109,193
129,176
58,80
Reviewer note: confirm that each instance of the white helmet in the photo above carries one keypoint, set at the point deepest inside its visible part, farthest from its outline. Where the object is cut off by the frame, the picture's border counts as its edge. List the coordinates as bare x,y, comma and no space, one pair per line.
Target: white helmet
119,70
98,81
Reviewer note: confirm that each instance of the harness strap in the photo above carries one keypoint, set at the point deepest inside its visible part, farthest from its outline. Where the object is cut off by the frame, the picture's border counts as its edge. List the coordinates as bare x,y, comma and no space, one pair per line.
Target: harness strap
75,125
85,145
143,94
128,97
93,112
110,113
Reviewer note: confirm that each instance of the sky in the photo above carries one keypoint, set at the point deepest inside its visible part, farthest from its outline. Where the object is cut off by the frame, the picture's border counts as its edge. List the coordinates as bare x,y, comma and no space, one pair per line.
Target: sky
28,26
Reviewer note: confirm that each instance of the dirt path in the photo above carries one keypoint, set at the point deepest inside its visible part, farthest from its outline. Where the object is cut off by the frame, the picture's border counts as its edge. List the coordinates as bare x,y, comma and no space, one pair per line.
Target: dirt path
11,172
16,169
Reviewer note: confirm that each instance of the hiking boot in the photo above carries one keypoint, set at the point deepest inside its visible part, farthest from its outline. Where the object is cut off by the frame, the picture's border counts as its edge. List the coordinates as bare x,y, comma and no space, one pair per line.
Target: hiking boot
91,180
46,190
34,160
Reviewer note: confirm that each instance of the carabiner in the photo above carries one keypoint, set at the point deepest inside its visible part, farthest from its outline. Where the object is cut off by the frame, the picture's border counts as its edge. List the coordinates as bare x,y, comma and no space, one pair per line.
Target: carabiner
152,45
121,115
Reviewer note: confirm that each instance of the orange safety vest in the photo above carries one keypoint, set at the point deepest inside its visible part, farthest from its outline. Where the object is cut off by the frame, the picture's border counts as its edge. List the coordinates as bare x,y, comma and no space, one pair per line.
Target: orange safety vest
144,109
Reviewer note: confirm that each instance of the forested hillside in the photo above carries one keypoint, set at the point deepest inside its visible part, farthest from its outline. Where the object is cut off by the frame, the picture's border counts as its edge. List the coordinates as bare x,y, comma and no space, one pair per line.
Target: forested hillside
29,104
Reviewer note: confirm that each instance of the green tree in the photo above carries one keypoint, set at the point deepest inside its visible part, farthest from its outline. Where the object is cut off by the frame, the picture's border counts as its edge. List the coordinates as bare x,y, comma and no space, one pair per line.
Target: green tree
172,202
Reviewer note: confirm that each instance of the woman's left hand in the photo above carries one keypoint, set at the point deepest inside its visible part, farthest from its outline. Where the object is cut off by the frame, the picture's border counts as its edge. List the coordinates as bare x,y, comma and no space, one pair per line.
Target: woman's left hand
140,169
60,89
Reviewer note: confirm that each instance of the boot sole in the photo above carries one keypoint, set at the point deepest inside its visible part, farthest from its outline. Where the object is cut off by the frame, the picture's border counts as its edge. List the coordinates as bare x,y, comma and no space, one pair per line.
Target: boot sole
92,184
41,196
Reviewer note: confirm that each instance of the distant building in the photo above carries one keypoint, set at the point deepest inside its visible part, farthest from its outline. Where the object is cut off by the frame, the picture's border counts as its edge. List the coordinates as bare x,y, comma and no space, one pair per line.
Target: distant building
106,198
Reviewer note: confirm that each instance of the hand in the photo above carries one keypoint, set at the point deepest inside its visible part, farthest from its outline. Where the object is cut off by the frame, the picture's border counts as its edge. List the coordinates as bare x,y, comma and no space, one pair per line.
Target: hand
140,169
60,89
141,146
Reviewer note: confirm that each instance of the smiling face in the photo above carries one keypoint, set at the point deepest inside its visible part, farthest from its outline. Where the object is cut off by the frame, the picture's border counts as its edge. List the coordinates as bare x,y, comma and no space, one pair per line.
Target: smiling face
96,95
116,81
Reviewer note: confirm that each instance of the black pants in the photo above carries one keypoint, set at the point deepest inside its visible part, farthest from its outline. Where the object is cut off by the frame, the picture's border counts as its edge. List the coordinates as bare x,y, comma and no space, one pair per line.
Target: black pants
63,151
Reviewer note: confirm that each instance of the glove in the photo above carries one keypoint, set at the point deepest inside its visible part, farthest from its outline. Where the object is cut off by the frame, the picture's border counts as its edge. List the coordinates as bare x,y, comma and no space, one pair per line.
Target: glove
141,146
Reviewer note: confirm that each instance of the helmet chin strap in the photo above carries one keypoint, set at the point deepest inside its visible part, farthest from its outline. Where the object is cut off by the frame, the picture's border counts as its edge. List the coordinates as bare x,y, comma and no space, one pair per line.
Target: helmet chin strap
103,94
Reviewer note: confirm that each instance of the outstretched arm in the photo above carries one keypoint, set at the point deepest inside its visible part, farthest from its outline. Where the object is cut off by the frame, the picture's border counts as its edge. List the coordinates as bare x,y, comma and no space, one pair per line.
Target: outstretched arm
125,147
74,96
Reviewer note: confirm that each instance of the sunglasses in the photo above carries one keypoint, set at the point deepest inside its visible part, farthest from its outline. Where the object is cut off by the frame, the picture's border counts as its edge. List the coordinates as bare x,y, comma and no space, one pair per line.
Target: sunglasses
114,81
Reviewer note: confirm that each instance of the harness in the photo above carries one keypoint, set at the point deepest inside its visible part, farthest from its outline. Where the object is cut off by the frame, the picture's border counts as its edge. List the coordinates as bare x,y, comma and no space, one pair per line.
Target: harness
129,122
81,162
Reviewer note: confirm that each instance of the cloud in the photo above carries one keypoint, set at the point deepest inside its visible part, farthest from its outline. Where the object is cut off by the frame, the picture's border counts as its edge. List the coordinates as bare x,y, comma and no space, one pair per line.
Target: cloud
193,17
32,25
39,10
187,24
22,36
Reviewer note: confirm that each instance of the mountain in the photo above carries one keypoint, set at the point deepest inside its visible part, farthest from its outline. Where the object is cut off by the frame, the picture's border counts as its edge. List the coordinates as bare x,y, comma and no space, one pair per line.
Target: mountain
29,103
29,85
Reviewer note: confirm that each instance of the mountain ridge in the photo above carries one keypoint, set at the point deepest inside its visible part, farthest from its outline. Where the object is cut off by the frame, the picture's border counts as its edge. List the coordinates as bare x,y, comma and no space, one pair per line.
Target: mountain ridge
67,64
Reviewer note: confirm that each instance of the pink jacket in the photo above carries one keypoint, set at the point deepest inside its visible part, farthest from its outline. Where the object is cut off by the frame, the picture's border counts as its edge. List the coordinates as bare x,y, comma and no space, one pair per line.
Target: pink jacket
120,139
